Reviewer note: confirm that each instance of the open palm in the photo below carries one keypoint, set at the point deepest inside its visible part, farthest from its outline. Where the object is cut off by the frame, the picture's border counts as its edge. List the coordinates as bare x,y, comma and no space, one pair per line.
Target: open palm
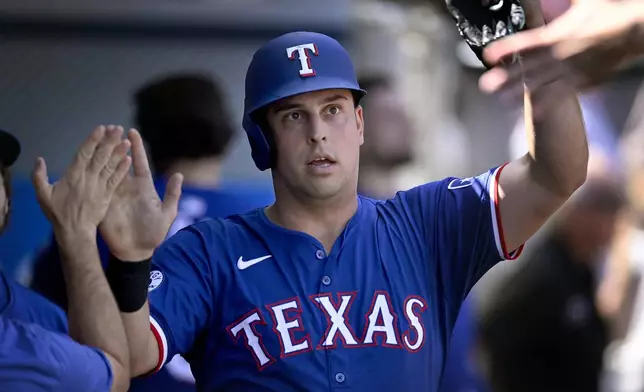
77,202
137,221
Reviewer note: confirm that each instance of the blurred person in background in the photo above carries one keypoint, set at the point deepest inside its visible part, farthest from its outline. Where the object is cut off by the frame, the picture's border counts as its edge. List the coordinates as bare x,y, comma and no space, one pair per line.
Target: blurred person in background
388,138
462,367
623,291
184,120
541,329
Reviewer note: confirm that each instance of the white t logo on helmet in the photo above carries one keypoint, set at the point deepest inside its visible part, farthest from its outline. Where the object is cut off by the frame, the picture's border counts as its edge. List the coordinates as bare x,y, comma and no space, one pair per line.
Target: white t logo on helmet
304,57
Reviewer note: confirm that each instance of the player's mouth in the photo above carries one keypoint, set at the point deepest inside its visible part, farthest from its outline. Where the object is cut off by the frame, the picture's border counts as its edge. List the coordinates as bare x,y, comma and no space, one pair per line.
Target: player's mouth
322,162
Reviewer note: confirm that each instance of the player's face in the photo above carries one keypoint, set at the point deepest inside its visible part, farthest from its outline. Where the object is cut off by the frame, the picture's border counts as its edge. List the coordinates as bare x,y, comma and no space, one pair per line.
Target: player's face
318,137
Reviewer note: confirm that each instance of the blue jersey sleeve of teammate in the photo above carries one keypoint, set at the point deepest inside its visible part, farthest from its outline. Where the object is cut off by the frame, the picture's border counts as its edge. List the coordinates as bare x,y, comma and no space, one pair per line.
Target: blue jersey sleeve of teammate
33,359
462,230
21,303
181,290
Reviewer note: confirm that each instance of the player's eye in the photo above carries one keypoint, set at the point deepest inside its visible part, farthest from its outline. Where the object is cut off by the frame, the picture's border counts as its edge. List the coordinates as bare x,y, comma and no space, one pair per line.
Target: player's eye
293,116
334,110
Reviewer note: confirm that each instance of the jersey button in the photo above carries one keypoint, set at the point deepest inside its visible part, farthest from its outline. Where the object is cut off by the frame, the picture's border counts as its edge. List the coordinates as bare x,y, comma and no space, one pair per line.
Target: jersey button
326,280
319,254
339,377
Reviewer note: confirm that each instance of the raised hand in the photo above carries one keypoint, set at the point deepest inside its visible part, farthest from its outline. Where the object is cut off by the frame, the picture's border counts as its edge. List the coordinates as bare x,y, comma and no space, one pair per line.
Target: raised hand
582,48
137,220
77,203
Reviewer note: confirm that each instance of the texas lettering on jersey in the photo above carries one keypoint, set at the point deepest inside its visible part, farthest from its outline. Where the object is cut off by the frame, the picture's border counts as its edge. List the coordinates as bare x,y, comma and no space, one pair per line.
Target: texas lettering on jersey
287,321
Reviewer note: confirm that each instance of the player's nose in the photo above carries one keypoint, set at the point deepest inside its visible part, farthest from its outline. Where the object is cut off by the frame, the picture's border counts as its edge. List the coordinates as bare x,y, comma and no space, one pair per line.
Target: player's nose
317,131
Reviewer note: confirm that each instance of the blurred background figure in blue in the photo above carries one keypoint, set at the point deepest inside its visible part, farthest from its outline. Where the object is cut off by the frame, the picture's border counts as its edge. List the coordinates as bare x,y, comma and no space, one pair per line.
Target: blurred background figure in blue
462,367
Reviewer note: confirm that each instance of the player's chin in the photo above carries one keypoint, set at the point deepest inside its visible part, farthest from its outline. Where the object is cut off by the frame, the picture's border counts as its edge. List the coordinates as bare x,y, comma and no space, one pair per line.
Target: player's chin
322,188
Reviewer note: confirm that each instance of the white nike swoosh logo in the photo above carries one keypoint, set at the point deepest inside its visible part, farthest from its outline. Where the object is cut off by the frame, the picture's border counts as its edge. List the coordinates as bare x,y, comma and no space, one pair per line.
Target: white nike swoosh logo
460,183
497,7
242,265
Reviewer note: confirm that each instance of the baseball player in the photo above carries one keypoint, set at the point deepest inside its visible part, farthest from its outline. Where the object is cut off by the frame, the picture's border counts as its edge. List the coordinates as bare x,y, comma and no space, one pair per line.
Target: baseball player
17,301
324,289
35,354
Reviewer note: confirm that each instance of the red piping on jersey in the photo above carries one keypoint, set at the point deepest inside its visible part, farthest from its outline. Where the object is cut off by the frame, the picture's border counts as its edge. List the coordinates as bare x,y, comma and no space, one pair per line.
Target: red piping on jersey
162,349
497,210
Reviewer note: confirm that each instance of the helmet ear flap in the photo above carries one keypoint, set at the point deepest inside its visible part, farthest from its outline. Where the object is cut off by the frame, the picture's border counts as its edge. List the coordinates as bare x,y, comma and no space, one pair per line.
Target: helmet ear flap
261,144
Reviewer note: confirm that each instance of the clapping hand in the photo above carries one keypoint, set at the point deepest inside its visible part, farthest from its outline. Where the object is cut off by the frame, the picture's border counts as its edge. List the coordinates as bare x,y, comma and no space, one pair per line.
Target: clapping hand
137,220
77,203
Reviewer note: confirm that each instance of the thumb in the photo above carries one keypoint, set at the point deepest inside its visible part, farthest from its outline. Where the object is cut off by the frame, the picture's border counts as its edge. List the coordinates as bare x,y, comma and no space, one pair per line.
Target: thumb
172,194
41,181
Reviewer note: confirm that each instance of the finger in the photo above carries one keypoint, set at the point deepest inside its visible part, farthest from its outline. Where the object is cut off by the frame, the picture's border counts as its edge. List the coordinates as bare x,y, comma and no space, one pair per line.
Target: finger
117,157
542,37
40,181
516,43
172,195
105,148
539,71
119,175
503,77
139,157
537,80
86,150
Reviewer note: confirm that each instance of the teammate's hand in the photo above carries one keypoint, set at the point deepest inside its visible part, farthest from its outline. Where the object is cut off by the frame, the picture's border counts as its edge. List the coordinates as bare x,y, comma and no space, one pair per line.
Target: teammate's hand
77,203
581,47
137,221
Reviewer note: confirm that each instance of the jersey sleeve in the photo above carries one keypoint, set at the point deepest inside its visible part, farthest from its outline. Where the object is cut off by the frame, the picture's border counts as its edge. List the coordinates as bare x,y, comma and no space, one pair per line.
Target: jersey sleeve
180,291
31,307
462,228
34,359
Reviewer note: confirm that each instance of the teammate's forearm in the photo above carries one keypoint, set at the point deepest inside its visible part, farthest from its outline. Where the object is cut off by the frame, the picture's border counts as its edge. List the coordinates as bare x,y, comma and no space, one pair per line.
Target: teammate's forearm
558,149
144,349
92,311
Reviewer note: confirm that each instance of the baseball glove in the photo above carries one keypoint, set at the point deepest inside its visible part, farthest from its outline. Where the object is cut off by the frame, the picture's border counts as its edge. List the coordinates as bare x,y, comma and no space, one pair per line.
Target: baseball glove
482,21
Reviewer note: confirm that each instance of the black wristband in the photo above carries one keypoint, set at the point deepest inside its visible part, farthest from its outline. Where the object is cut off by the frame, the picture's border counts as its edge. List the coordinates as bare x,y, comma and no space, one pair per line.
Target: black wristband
129,283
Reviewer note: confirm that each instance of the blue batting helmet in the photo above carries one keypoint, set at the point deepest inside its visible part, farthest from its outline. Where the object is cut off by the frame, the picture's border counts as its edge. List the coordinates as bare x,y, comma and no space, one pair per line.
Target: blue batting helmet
289,65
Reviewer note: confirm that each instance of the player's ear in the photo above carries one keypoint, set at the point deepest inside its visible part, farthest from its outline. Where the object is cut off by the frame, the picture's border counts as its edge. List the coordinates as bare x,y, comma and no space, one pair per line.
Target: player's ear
360,123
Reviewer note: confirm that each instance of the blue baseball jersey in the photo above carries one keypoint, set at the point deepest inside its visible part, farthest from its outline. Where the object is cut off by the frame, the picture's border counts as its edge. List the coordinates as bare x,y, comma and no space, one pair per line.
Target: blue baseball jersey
33,359
20,303
254,306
